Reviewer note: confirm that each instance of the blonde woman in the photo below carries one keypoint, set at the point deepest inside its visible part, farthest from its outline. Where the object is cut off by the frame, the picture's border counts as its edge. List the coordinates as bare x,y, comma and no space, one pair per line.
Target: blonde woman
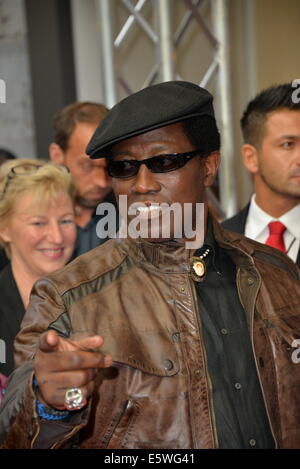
38,233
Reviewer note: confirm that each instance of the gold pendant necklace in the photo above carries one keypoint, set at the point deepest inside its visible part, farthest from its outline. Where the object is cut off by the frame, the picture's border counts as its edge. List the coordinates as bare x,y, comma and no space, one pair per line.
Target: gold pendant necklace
198,266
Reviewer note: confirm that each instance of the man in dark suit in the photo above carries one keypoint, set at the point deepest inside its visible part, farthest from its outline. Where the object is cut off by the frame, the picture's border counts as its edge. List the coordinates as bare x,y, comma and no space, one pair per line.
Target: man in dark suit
271,153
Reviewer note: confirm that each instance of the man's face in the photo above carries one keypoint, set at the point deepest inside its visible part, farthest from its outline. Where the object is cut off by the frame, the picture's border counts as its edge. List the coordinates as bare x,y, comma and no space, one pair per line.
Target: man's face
279,154
184,185
90,176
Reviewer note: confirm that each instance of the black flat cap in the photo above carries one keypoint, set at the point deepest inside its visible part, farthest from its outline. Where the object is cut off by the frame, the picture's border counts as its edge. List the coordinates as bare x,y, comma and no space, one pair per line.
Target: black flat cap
149,109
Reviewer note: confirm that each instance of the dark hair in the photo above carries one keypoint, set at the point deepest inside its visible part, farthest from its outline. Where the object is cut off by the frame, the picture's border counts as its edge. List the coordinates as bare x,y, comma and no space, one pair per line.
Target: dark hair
66,119
271,99
203,133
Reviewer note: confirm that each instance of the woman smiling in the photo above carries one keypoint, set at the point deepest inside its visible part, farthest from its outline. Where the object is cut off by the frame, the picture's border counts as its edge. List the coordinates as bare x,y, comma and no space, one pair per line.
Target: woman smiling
38,233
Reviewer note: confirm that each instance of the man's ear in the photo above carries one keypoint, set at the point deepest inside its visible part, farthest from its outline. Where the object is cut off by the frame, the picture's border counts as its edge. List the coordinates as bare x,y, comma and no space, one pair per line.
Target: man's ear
56,154
250,158
211,165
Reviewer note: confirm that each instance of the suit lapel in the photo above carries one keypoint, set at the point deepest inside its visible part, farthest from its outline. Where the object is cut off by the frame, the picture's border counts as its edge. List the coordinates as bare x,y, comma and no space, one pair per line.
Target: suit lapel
238,222
243,218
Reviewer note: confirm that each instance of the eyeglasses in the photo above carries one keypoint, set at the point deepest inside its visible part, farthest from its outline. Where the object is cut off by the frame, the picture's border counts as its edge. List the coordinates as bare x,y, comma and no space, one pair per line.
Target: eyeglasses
24,170
156,164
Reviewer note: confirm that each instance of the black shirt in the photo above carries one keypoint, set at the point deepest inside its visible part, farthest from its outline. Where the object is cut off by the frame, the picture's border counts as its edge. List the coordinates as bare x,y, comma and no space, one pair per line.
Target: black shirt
11,315
241,419
89,237
3,259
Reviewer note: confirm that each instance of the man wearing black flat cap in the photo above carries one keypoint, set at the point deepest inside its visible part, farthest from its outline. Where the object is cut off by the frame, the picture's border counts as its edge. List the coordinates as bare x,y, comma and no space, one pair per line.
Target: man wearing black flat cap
145,342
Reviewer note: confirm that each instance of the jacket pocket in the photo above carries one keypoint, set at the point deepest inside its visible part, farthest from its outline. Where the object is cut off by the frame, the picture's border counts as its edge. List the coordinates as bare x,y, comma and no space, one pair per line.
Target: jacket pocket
133,429
155,445
120,424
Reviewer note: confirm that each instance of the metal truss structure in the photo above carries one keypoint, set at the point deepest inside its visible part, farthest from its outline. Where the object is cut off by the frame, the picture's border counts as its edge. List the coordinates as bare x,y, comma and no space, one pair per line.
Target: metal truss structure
165,42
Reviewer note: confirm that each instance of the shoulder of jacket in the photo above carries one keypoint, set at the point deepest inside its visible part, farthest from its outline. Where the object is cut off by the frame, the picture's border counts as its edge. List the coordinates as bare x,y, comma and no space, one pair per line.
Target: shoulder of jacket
261,252
87,267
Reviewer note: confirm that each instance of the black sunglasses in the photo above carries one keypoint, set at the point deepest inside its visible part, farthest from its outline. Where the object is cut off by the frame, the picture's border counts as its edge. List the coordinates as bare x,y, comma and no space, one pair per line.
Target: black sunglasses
155,164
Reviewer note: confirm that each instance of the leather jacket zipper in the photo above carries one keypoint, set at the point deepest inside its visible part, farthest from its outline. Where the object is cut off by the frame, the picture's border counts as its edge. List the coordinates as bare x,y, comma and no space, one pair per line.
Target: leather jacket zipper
254,355
127,404
67,437
207,375
261,387
36,433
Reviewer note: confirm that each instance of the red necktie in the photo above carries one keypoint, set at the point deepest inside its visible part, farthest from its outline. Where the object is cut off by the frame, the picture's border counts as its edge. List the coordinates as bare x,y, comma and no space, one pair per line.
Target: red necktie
275,239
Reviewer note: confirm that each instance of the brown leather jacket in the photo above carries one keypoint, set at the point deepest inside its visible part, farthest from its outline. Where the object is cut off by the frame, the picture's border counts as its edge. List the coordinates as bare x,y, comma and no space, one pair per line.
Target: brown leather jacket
157,394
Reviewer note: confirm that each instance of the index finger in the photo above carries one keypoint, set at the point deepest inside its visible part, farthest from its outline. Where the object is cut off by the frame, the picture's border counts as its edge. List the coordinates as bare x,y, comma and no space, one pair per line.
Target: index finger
81,360
49,341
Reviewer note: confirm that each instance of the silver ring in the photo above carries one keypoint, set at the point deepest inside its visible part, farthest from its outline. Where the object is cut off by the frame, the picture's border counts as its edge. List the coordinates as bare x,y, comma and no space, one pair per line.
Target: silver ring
74,399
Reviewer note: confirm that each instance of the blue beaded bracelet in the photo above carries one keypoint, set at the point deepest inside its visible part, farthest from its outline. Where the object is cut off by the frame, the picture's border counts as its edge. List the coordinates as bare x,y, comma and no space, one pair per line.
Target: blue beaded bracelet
51,414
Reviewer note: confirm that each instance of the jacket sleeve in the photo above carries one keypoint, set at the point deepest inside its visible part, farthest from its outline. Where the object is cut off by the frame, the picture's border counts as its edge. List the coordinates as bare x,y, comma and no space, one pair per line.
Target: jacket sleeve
46,306
17,412
20,426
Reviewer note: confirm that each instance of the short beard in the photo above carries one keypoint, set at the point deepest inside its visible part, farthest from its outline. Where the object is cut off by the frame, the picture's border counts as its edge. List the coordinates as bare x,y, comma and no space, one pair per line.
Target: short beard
84,203
285,194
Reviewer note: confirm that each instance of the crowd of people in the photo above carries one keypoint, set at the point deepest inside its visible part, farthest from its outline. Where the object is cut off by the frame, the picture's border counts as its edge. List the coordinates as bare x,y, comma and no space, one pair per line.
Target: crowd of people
146,343
83,183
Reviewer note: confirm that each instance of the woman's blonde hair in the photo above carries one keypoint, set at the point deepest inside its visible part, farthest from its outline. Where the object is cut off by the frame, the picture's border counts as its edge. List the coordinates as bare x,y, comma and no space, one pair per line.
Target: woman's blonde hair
44,180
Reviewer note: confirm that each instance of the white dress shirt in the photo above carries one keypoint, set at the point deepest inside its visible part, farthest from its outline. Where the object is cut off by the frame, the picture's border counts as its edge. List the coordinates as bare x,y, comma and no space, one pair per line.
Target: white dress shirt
257,227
